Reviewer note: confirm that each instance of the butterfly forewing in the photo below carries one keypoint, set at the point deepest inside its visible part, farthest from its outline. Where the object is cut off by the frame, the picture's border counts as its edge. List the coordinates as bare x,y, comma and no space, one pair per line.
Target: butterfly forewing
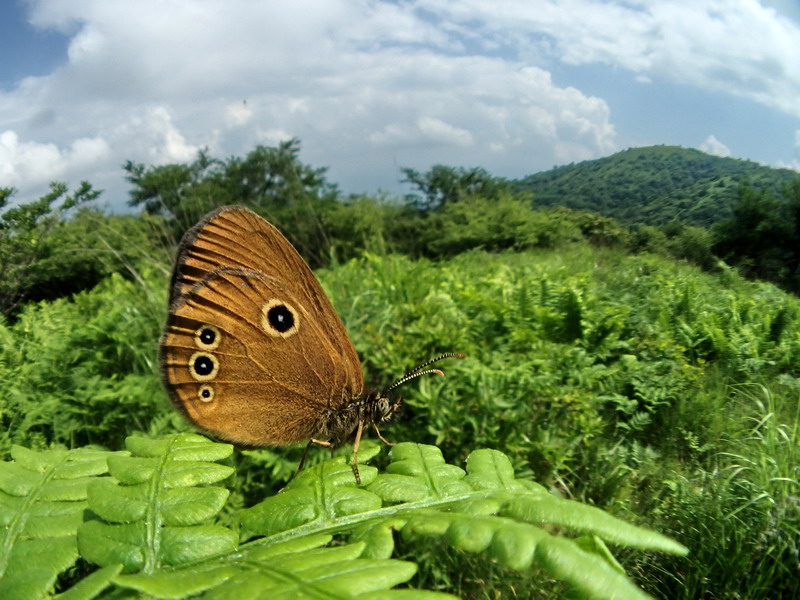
253,351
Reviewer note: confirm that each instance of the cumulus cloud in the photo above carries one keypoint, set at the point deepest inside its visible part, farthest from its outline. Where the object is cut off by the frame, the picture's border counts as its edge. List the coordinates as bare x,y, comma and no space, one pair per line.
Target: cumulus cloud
712,145
153,136
367,86
35,164
737,47
794,162
238,113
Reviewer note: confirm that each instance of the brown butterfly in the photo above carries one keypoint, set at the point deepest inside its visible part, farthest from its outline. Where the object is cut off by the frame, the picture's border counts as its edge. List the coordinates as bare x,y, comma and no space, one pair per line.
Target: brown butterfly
254,353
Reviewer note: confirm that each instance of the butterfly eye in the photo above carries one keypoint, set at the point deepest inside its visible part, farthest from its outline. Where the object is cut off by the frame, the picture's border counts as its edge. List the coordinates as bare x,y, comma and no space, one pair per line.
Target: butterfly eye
203,366
279,319
207,337
205,393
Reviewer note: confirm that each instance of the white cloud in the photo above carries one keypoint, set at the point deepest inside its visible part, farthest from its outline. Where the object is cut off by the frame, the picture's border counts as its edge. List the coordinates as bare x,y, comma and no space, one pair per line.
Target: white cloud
272,137
794,162
35,164
712,145
156,137
238,113
427,131
368,86
438,131
737,47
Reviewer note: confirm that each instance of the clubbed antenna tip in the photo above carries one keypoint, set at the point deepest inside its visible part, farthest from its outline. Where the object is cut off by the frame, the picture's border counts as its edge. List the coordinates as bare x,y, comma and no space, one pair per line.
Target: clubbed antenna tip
420,370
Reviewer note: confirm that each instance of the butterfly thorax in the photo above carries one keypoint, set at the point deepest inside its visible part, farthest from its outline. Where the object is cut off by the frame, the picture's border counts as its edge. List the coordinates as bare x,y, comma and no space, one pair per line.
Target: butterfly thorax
339,425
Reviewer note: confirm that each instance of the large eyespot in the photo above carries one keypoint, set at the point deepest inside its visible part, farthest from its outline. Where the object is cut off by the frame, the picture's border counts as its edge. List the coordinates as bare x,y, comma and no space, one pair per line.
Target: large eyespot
205,393
203,366
279,318
207,337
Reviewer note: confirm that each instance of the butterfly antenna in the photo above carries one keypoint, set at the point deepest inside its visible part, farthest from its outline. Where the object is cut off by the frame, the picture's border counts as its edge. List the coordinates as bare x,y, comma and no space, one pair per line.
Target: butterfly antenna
420,370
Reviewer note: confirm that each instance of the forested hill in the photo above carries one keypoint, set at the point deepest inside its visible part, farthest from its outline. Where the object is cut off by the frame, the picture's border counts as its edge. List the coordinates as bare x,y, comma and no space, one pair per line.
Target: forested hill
653,185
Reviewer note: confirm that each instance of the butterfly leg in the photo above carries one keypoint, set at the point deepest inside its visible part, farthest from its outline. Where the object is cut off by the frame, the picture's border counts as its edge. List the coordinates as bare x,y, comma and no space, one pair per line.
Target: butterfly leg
305,455
311,442
325,443
381,438
356,443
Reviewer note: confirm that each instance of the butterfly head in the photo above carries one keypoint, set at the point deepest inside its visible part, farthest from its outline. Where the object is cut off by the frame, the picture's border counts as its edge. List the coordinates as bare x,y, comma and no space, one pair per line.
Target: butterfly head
384,408
375,408
381,408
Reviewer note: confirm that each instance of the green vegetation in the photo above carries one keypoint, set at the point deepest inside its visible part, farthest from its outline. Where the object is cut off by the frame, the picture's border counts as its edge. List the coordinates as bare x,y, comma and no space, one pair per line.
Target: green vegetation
654,186
605,374
31,236
59,245
272,181
761,236
149,528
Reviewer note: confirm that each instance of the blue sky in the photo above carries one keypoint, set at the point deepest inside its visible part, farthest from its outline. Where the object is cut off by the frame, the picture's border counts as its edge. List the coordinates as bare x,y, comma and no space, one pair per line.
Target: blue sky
514,86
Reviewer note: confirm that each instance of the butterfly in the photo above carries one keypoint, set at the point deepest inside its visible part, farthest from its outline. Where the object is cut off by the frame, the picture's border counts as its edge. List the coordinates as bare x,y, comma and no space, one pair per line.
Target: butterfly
253,351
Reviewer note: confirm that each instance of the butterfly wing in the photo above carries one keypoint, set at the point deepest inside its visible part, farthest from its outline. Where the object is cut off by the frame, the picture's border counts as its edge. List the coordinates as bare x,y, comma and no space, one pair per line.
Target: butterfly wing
253,351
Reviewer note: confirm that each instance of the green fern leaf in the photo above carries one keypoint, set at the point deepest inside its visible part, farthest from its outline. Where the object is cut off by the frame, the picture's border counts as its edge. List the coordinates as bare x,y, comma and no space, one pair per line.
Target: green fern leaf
483,509
378,537
300,568
151,515
407,595
491,470
152,522
419,472
42,501
320,495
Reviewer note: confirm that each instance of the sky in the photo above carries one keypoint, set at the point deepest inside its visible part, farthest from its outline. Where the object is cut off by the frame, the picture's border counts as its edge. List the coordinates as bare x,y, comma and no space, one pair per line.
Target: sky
373,86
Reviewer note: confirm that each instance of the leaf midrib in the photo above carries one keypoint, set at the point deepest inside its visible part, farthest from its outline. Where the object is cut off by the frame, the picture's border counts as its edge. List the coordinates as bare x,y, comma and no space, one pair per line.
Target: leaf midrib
152,519
17,525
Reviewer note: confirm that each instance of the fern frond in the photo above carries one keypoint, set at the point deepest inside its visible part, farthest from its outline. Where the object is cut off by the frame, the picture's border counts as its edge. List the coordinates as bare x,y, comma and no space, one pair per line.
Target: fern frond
296,569
42,501
482,509
152,513
150,524
325,536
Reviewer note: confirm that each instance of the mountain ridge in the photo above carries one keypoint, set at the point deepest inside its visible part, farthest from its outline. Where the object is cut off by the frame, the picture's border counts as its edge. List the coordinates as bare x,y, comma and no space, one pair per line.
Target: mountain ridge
654,185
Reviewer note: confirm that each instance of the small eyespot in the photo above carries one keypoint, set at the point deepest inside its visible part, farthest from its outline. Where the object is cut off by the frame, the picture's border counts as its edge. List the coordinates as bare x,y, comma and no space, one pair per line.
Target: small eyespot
203,366
207,337
205,393
279,318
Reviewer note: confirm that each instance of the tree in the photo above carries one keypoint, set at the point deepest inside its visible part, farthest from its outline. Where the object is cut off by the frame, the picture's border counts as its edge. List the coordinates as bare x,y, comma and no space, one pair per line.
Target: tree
177,191
761,235
275,178
270,180
444,185
33,266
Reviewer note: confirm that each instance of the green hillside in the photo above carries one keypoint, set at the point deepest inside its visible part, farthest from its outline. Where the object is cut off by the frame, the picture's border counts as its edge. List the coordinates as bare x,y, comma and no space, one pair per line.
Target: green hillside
653,185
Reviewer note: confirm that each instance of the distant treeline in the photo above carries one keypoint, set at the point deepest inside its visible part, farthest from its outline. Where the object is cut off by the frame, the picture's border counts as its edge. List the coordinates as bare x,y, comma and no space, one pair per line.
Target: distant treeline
59,244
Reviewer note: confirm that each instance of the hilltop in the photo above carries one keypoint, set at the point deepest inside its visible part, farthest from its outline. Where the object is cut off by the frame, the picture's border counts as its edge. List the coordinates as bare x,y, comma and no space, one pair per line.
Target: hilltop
654,185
